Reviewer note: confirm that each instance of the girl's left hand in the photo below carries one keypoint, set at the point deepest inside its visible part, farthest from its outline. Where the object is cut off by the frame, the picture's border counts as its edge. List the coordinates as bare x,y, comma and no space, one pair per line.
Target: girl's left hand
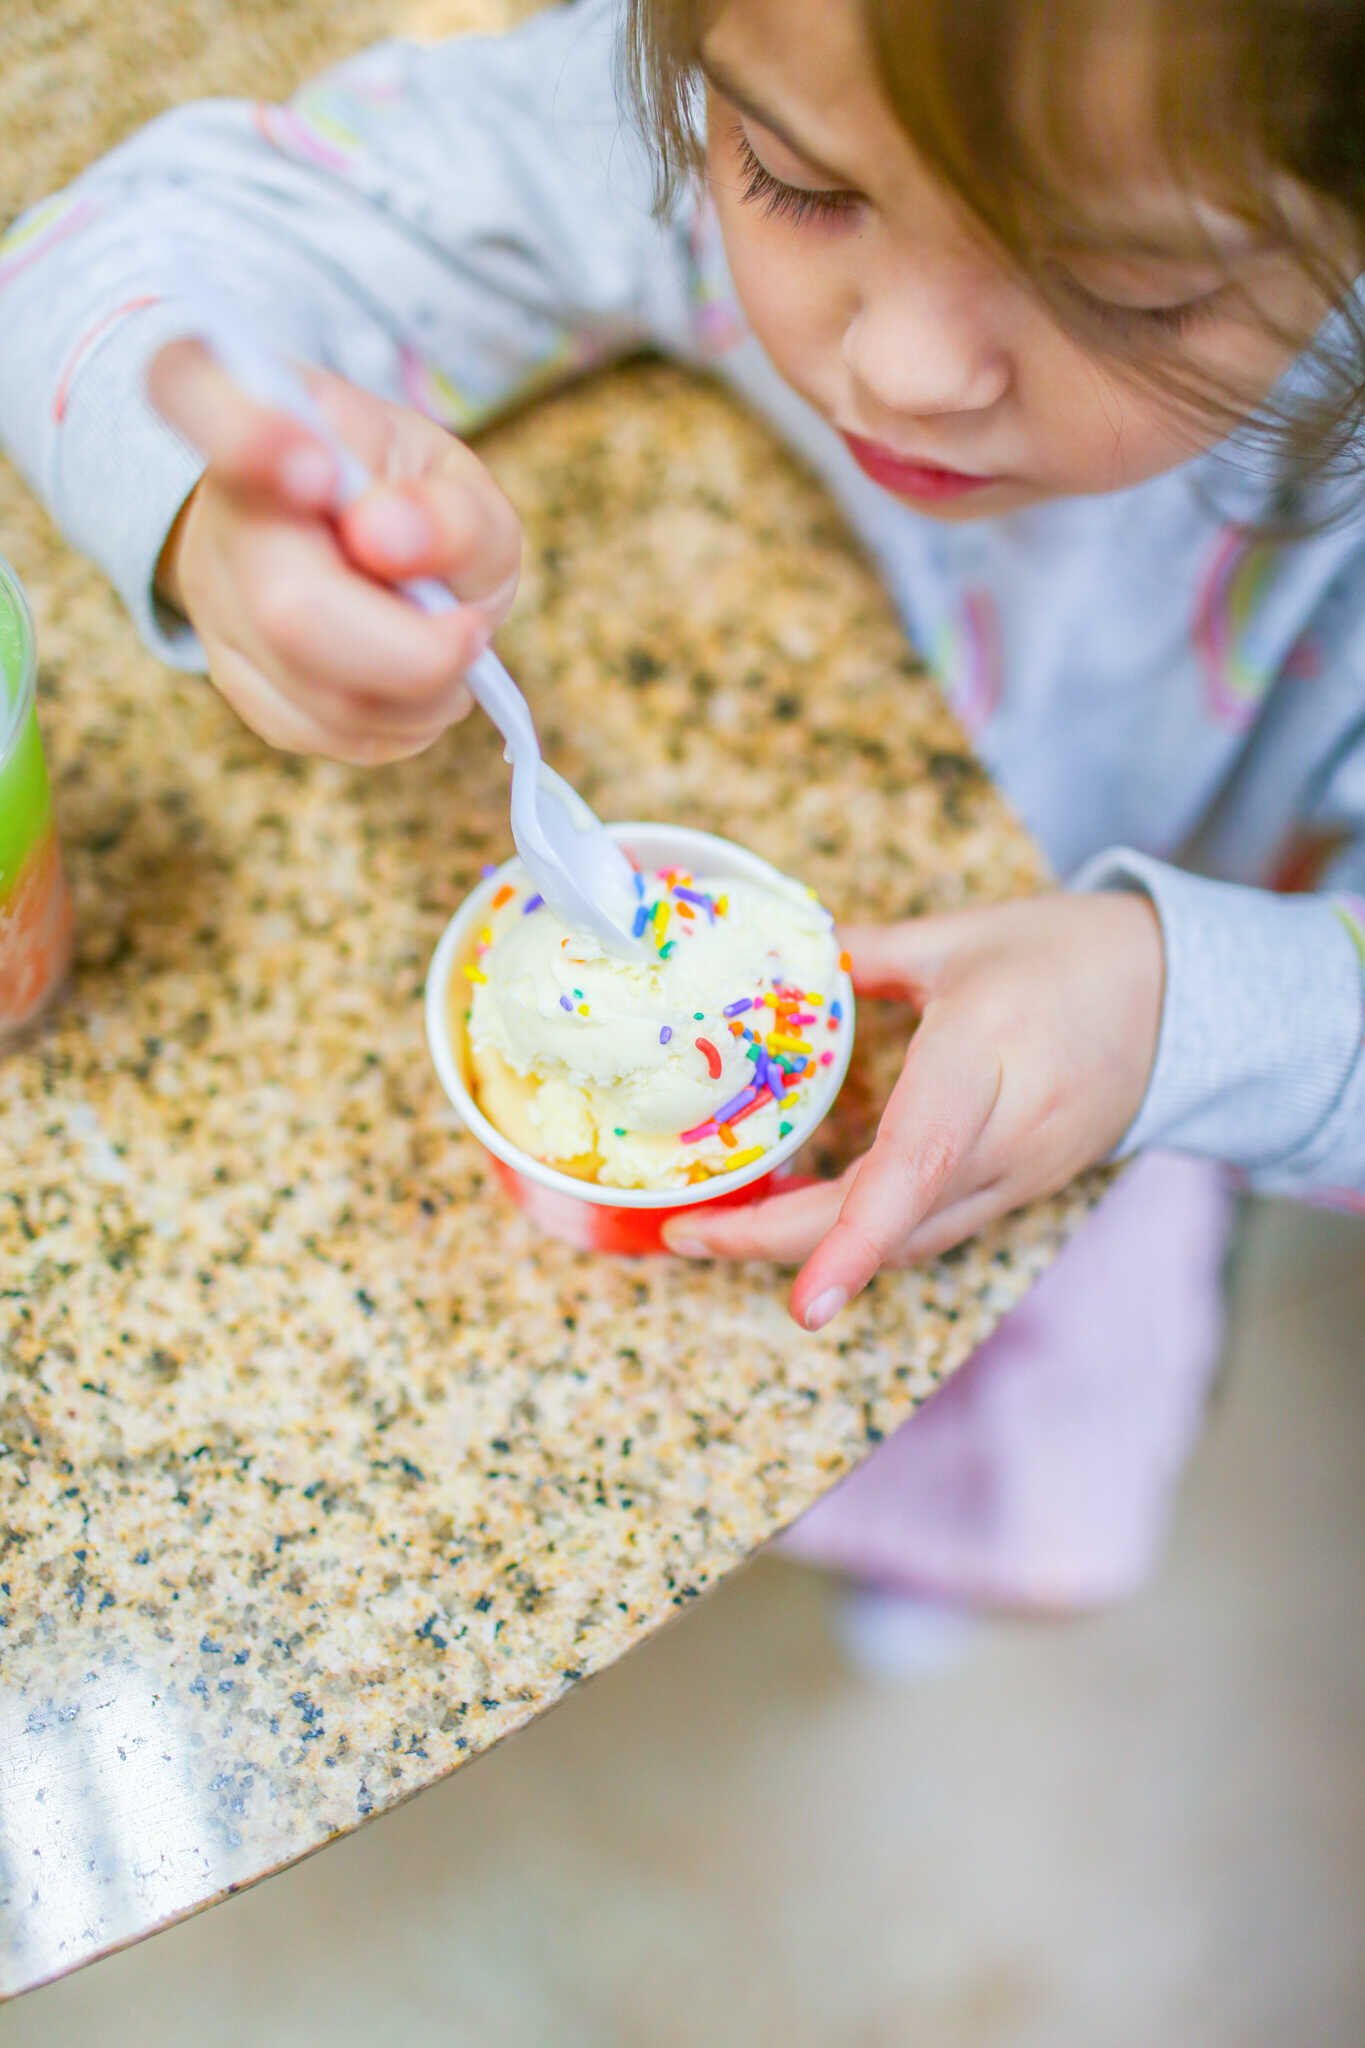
1037,1032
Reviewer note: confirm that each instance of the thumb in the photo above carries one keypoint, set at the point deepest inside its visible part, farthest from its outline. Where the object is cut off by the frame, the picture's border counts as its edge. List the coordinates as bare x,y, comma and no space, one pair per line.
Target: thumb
250,447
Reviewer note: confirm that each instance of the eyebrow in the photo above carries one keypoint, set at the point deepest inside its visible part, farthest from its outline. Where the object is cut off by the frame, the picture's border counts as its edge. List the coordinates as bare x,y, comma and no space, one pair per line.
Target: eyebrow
728,86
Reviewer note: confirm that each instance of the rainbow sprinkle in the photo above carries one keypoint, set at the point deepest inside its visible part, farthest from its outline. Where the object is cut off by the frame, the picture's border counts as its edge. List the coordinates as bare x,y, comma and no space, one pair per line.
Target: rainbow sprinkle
712,1058
736,1102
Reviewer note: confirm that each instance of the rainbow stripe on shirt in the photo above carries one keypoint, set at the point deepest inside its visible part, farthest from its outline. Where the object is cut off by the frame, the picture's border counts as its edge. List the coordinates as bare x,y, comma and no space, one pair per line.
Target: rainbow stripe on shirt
41,229
1236,679
967,659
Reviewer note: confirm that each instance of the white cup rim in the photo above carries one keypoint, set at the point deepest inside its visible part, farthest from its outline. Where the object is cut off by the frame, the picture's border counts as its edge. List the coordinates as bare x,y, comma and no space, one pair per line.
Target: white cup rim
704,852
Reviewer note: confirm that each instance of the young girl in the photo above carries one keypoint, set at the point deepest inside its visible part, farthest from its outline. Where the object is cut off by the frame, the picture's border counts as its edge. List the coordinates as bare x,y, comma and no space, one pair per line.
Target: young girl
1059,298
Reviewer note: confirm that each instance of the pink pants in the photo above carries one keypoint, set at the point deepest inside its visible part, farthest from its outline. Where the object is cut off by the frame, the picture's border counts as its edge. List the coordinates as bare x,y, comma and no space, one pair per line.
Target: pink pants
1042,1474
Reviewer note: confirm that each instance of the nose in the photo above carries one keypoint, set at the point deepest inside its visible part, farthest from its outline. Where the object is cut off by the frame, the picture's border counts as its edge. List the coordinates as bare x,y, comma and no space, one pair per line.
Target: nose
921,346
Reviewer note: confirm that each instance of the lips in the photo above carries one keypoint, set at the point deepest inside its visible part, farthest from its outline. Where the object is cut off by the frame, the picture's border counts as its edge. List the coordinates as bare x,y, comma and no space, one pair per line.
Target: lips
927,481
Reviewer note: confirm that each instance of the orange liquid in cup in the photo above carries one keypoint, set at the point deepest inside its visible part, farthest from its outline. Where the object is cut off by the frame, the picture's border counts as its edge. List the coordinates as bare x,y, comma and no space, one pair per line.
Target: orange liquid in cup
35,908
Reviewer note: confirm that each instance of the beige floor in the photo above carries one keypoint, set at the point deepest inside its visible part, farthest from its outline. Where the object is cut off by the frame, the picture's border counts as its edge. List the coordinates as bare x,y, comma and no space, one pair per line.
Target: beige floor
1142,1832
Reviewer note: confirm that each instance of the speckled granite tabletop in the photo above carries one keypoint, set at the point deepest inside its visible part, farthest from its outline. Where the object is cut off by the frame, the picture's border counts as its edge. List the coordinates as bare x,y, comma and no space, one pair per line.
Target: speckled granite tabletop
319,1472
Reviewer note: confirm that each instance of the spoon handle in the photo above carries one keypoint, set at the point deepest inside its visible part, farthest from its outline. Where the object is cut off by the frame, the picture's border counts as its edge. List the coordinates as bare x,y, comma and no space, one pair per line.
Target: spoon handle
486,677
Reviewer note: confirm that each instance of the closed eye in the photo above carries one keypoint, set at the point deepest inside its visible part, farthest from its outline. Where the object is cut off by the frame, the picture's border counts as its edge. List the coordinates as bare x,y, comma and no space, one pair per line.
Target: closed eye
782,201
1153,320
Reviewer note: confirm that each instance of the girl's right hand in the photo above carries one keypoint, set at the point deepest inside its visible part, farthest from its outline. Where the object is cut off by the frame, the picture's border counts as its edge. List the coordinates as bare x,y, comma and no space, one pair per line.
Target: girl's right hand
288,597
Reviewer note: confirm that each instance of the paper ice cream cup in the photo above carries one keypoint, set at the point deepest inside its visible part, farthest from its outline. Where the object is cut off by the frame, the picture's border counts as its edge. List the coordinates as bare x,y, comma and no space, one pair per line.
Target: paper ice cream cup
584,1213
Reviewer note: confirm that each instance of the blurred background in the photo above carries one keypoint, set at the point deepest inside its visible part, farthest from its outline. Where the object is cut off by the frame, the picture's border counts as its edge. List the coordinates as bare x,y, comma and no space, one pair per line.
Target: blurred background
1144,1828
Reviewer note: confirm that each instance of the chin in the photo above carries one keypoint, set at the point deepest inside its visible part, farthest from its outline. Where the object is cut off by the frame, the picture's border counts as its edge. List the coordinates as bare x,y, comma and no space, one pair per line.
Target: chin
991,503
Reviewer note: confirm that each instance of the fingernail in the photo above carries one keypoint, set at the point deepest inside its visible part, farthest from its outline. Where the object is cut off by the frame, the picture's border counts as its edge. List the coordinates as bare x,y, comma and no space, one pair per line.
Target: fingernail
309,475
396,525
826,1307
688,1247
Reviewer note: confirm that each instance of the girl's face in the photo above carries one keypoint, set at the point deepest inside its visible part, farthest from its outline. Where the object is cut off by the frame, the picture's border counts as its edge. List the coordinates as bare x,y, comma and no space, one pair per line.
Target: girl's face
956,386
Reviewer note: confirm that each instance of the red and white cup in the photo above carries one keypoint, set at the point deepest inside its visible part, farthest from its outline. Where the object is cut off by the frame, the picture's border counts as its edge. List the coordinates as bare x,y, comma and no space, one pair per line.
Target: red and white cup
583,1213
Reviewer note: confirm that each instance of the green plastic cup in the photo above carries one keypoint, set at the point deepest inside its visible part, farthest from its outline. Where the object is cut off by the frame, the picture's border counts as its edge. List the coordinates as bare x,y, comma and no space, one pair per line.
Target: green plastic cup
35,909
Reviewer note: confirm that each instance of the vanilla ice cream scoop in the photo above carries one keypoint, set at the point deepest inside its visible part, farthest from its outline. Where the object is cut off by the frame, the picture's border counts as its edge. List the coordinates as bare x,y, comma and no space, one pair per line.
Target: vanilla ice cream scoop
663,1071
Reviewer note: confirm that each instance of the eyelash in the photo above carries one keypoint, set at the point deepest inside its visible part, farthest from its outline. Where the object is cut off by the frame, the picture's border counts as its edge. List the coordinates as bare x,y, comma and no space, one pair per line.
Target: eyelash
1172,321
786,202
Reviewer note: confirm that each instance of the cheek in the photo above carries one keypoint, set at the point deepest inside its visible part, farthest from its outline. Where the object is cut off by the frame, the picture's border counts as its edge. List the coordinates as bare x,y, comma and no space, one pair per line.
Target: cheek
1119,429
774,302
1092,428
790,297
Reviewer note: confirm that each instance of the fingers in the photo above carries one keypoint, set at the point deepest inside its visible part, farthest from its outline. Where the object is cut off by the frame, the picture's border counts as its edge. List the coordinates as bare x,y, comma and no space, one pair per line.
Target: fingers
923,1156
352,635
290,593
302,727
783,1228
957,1221
253,451
353,648
435,511
787,1228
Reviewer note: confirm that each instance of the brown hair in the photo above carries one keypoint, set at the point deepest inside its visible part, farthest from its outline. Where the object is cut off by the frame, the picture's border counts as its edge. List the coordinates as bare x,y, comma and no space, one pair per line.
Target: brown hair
1257,104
